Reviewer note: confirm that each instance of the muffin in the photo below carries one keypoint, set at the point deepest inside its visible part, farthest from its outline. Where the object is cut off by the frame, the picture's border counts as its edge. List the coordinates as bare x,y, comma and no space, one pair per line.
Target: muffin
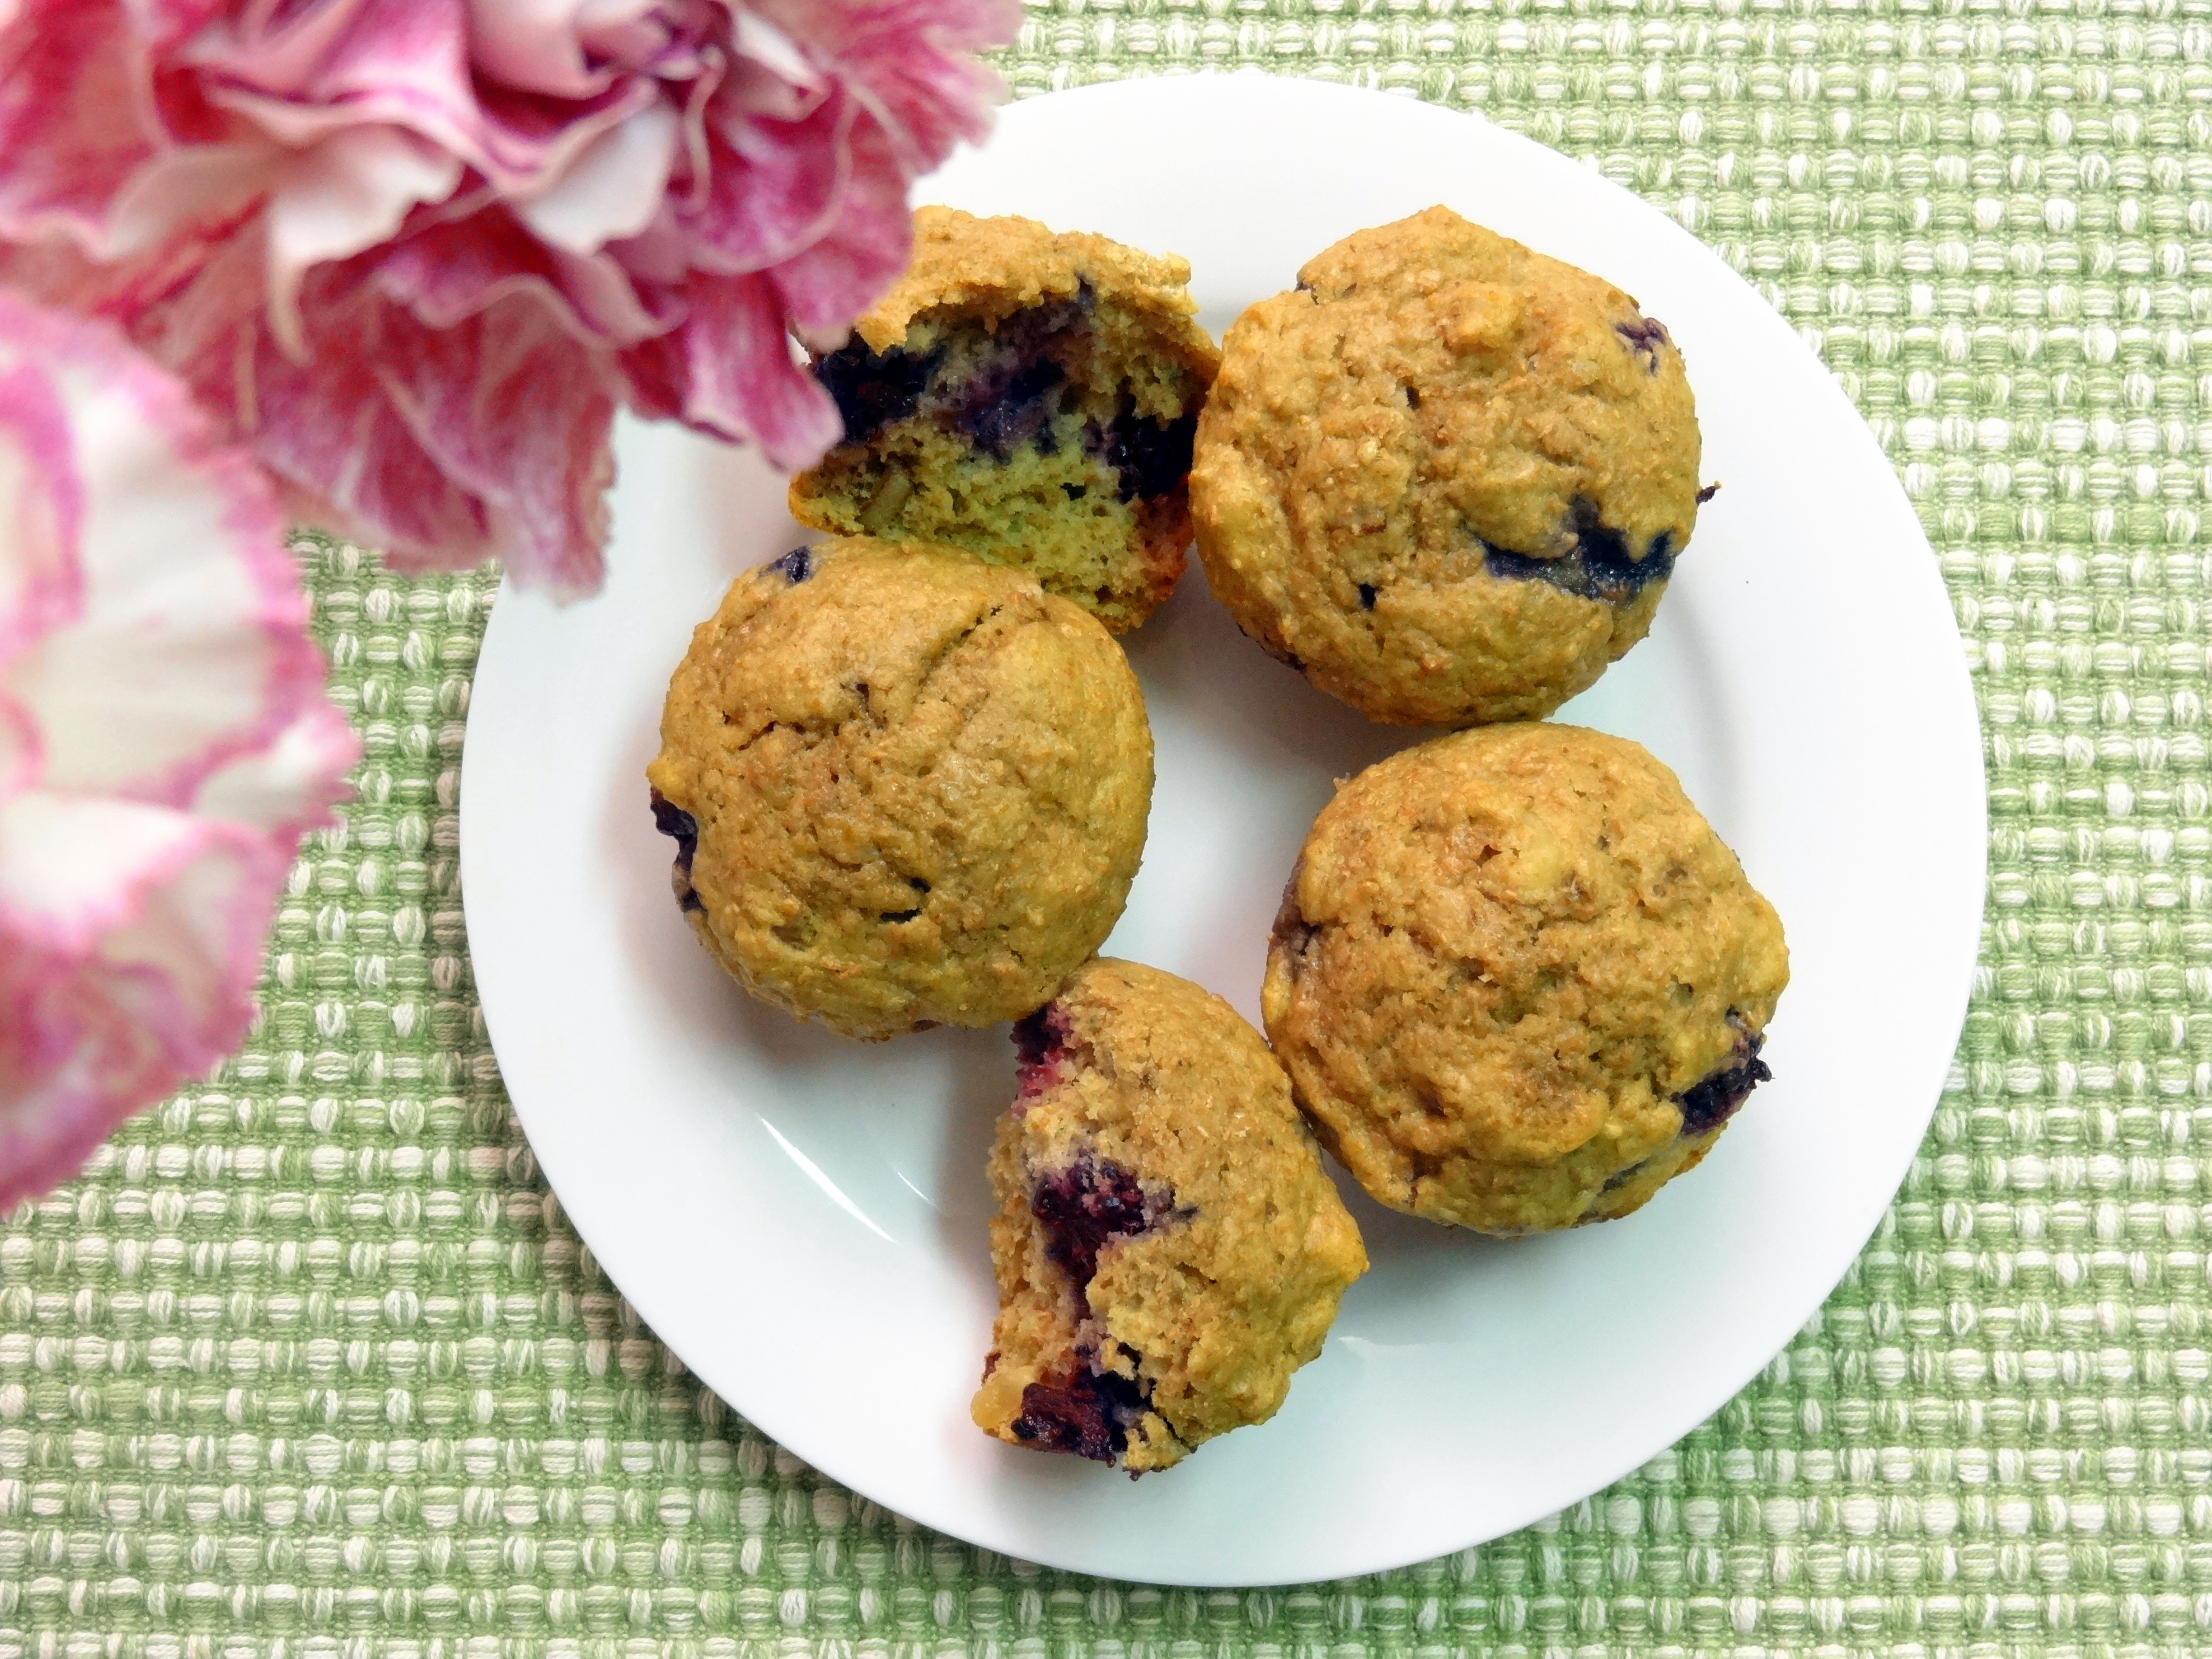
1517,981
1168,1247
906,787
1029,398
1446,478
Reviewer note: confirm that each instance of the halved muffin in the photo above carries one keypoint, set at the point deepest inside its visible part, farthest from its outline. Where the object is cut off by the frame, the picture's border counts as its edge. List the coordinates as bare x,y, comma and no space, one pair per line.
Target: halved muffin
1028,397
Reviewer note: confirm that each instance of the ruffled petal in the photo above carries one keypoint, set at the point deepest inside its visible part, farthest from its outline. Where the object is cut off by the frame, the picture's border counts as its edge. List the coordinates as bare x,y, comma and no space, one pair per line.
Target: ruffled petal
910,58
773,187
72,132
286,786
513,410
130,942
348,193
841,273
485,438
613,189
39,587
164,741
199,185
352,465
730,371
186,642
301,72
454,269
577,48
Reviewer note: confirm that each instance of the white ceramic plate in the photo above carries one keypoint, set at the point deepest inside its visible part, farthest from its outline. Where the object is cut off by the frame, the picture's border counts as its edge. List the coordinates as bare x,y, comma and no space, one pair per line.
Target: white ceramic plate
802,1219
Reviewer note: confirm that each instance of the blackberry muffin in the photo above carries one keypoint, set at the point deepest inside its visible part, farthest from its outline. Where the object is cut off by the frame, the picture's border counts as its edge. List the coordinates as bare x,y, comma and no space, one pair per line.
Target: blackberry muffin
1029,398
1445,477
1168,1247
906,787
1517,981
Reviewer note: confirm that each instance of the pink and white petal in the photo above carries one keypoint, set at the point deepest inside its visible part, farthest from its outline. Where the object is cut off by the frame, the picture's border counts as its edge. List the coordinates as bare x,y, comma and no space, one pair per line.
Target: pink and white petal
100,1018
769,74
166,25
287,787
844,271
70,130
576,48
301,72
693,170
761,42
729,371
41,495
22,756
189,184
612,191
274,45
406,65
349,192
185,641
773,187
340,456
351,465
658,256
515,410
526,141
72,867
450,270
911,57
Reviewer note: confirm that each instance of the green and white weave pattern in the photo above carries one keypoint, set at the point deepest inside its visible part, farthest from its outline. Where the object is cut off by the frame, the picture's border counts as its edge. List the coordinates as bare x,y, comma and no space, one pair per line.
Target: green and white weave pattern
309,1363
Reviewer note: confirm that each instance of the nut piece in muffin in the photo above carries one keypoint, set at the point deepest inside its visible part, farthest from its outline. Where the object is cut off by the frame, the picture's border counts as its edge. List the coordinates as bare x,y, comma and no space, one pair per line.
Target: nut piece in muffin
1517,981
907,788
1169,1249
1445,477
1026,397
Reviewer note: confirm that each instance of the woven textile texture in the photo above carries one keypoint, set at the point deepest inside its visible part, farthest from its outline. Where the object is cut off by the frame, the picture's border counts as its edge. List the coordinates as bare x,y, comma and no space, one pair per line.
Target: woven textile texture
309,1363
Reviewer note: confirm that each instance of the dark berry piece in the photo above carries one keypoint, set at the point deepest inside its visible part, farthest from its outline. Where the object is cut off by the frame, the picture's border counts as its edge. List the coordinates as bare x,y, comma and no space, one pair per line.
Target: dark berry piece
1090,1414
1084,1208
1010,398
1520,568
1644,336
1367,596
1151,457
674,822
1597,566
794,567
1602,551
873,391
1708,493
1040,1034
918,886
1042,1052
1713,1099
1002,412
1075,492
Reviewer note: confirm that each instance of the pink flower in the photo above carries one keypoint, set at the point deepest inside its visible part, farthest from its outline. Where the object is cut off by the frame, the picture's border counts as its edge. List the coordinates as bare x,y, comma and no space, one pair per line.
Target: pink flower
415,253
164,741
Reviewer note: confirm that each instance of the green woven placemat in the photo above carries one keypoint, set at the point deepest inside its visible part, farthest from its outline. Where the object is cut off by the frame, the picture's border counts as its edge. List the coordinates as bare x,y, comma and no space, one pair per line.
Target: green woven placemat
310,1363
